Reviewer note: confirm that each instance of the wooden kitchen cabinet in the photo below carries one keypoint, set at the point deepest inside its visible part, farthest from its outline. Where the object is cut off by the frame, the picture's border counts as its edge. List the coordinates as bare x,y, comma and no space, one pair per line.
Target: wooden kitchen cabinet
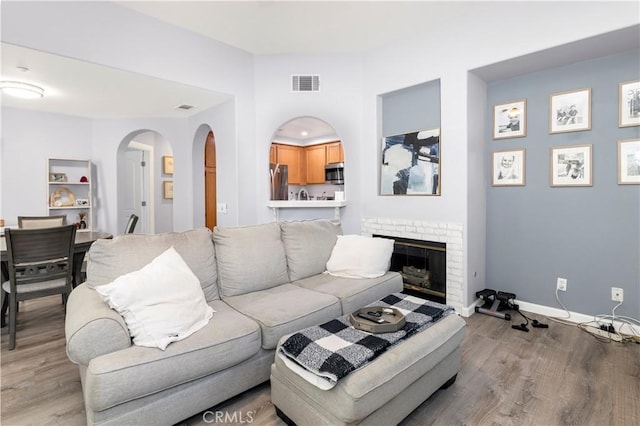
273,154
335,154
292,157
316,157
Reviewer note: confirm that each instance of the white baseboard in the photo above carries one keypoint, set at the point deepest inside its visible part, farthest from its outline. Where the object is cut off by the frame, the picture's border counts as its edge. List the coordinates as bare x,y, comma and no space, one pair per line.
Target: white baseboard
561,314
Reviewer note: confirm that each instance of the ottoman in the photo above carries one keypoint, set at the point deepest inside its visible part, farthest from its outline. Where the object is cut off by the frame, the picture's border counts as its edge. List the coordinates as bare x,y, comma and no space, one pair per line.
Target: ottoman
384,391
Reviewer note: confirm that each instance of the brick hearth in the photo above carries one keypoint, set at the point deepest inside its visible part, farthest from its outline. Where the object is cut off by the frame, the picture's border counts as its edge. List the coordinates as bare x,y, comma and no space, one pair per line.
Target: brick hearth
449,233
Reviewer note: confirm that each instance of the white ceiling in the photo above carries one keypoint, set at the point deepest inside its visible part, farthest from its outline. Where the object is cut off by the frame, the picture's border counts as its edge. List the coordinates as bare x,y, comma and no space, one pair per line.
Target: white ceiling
305,131
270,27
260,27
79,88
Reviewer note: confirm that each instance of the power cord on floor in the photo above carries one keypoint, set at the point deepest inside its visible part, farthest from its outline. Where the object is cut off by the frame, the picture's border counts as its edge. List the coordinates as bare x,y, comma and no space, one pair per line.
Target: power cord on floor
601,331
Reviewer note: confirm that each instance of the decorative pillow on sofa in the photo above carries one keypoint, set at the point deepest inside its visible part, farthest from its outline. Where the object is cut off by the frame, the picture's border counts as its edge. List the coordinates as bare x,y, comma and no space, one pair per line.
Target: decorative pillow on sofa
161,303
107,259
356,256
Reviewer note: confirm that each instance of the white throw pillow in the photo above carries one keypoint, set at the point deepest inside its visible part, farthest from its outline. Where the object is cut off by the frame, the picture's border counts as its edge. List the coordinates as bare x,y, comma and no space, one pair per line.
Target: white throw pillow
161,303
355,256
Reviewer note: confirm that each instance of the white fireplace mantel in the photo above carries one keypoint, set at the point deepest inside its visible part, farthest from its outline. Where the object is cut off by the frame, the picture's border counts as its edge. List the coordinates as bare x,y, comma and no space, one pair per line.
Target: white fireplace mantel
449,233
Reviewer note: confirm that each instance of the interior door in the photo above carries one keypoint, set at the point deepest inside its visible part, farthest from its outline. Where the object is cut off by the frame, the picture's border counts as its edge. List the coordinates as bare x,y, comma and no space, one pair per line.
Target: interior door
211,214
138,181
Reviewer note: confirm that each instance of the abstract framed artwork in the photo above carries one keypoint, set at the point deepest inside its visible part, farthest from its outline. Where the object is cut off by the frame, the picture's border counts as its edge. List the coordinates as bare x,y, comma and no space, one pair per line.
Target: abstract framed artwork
571,165
629,104
510,120
629,162
570,111
508,168
411,163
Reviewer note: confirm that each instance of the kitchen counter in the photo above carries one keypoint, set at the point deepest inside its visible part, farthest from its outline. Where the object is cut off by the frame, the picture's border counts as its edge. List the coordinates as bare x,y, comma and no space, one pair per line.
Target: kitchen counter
299,204
306,204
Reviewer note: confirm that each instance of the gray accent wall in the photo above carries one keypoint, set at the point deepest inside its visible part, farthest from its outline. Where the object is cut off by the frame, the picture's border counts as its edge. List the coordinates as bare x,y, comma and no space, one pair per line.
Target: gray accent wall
411,109
588,235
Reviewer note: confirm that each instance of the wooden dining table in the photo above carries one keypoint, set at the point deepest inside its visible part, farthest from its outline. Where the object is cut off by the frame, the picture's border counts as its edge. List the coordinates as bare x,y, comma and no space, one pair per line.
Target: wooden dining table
82,243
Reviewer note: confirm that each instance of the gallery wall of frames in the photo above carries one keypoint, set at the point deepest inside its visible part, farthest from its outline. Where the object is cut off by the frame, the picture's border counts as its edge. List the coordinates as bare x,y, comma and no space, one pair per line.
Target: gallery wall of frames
563,183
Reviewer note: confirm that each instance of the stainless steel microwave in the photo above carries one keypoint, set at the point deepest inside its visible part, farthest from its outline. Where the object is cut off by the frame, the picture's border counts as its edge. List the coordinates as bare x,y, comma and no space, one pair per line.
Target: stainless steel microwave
334,173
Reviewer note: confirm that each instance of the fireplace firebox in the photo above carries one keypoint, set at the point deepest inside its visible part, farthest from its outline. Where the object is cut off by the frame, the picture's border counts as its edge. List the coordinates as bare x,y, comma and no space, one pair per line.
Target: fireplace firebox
423,266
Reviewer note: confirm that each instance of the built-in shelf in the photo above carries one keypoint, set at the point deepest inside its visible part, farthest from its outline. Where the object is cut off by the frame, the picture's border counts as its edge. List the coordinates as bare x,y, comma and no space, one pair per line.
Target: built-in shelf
70,182
276,205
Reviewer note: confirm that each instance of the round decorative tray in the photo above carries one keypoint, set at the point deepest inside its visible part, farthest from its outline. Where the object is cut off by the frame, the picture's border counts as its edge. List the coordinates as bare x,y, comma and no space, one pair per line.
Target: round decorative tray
377,319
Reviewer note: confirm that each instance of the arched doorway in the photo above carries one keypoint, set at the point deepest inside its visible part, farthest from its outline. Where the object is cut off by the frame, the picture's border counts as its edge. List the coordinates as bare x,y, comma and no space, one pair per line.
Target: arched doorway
141,181
211,215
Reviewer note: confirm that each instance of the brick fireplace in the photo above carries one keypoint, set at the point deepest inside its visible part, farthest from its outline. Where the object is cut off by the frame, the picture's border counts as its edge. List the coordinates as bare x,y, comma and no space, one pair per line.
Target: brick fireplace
448,233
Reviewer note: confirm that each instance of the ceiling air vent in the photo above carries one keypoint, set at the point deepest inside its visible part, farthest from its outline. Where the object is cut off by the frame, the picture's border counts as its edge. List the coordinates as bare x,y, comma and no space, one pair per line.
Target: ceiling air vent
185,107
305,83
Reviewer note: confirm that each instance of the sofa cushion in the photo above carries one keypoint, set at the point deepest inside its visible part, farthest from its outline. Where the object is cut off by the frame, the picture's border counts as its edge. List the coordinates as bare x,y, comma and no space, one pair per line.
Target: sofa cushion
109,259
161,303
354,293
228,339
284,309
357,256
250,258
308,246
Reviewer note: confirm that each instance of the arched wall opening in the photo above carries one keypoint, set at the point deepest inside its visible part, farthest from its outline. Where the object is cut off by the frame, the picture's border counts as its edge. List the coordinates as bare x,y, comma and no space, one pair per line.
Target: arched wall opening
145,181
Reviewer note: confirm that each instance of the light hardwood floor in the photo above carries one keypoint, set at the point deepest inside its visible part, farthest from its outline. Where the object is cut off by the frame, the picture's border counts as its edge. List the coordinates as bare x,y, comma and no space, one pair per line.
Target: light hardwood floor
554,376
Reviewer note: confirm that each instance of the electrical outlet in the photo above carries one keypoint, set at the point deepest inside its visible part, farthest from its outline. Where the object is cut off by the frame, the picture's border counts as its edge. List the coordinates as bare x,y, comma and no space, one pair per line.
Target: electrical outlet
562,284
617,294
222,207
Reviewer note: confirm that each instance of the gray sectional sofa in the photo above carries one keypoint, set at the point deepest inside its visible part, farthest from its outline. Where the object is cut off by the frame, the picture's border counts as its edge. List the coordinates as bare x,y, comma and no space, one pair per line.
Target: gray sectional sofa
263,282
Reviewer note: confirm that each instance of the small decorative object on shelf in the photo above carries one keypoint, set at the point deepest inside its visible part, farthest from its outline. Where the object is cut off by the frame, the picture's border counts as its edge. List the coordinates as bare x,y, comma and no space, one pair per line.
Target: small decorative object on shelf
83,222
84,179
57,199
57,177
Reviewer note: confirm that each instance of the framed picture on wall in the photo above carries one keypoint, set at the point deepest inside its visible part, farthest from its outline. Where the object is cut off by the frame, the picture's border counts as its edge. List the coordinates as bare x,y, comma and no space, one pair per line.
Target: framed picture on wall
167,189
167,164
411,164
571,165
510,120
629,108
508,168
629,161
570,111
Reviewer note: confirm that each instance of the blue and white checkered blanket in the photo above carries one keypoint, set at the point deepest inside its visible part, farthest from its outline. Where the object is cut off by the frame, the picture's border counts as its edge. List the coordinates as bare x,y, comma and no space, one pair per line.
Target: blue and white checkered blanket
334,349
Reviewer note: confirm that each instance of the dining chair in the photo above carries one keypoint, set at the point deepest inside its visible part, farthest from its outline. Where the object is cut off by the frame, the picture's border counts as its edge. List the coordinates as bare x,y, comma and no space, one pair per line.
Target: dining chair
40,263
33,222
131,224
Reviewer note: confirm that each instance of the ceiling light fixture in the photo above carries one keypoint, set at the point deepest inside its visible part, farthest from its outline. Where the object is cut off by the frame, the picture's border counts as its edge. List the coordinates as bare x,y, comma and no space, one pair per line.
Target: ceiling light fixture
21,90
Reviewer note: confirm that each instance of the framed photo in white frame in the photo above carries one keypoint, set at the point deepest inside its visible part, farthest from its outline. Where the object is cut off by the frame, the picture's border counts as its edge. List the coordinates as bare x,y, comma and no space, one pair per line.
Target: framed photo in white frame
510,120
629,162
508,168
629,104
571,165
570,111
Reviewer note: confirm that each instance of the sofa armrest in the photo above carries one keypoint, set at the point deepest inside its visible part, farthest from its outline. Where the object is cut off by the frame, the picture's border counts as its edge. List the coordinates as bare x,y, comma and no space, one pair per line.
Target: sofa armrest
91,327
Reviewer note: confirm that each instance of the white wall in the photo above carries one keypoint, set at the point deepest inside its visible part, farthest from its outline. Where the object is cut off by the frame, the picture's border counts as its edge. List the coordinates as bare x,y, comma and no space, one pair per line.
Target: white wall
222,121
106,33
28,140
349,99
339,103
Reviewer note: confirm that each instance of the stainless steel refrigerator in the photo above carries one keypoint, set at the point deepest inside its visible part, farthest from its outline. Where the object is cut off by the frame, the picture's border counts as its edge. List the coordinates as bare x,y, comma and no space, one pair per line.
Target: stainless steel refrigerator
279,176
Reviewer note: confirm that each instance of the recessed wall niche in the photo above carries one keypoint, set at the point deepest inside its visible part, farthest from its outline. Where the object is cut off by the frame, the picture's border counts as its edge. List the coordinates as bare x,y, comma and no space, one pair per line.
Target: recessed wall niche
410,143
